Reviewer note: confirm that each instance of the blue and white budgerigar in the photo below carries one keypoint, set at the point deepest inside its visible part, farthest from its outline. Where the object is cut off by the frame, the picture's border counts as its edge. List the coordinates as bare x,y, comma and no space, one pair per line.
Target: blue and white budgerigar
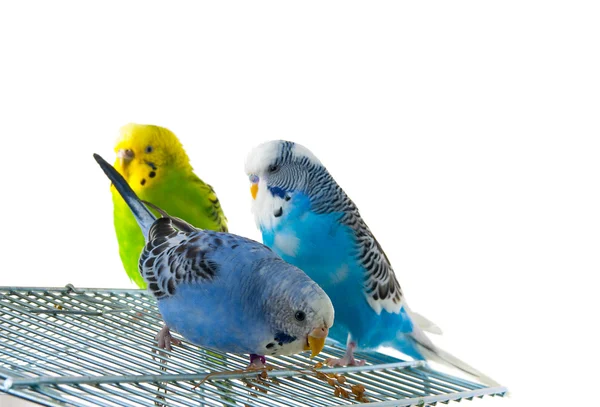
307,219
224,291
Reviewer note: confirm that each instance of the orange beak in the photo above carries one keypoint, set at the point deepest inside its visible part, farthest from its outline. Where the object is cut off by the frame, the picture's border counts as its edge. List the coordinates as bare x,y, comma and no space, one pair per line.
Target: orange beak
254,190
316,341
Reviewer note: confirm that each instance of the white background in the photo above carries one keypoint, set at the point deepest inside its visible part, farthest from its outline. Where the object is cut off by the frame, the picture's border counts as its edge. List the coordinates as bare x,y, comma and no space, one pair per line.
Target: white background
467,134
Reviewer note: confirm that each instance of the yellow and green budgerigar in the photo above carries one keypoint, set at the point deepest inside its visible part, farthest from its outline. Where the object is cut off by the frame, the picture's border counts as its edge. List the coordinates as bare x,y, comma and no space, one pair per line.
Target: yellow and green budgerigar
154,163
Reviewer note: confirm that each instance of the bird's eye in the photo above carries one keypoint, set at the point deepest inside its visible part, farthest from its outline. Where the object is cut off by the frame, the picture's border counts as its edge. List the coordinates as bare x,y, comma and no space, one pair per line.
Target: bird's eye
300,316
149,149
273,168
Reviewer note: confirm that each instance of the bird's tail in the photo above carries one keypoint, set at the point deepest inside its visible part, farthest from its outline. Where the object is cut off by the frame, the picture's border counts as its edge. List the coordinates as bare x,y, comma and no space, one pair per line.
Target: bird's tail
431,352
142,215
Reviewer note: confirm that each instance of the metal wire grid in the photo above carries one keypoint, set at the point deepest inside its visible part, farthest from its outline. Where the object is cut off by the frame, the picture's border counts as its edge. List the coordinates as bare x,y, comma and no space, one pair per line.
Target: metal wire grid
83,347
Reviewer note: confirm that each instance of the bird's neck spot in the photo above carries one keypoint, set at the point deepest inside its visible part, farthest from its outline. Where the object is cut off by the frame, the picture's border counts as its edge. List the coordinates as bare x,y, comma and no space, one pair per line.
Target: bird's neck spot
151,174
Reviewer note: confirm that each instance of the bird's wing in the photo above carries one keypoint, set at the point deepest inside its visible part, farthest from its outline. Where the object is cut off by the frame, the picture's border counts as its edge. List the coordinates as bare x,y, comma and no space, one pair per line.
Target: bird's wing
173,257
381,286
210,204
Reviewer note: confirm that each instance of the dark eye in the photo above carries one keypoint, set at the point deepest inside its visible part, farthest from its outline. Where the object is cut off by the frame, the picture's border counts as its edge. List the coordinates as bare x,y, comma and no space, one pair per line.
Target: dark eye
300,316
149,149
273,168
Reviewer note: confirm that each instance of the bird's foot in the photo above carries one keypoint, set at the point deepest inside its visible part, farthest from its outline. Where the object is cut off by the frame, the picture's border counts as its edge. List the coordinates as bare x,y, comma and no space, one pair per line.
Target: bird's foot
257,362
165,339
348,359
345,361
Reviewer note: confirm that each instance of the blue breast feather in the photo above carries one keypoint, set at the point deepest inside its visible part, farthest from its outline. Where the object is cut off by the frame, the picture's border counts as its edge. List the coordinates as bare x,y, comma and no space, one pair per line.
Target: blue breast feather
226,312
327,253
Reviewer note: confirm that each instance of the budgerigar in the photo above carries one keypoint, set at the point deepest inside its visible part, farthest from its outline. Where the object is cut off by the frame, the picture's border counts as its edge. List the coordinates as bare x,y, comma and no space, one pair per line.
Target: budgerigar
224,291
157,168
307,219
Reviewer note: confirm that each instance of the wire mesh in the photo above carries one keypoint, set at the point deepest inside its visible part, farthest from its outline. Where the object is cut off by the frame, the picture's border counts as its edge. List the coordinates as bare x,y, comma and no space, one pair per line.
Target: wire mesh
96,347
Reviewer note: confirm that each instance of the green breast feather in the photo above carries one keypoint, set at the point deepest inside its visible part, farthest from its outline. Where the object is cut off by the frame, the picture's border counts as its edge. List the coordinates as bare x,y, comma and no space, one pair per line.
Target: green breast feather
185,197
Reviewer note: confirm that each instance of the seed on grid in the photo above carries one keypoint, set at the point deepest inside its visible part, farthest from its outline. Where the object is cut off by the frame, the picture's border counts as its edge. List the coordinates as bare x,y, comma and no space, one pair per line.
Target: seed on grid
318,365
263,374
337,392
358,389
321,376
344,393
331,382
341,379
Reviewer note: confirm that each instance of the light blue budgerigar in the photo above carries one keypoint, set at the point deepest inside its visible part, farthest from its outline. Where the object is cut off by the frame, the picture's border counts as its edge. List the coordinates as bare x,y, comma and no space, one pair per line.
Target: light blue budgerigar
307,219
224,291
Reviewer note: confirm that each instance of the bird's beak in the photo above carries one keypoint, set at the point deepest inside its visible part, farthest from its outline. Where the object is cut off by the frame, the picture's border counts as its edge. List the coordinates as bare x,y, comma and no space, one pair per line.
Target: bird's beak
125,155
254,186
316,341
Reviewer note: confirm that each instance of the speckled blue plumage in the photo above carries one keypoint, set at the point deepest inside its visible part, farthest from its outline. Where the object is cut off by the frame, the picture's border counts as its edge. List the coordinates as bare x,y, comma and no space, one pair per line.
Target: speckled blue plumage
222,313
327,253
225,291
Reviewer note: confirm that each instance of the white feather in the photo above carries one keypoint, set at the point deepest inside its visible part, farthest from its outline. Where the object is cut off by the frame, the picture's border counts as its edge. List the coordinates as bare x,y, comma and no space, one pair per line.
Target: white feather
425,324
261,156
264,206
287,243
387,304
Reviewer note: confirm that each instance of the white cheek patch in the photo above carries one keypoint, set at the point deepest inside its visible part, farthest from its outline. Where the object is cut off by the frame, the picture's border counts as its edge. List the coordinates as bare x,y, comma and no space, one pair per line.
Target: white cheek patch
272,347
268,210
291,348
264,206
287,243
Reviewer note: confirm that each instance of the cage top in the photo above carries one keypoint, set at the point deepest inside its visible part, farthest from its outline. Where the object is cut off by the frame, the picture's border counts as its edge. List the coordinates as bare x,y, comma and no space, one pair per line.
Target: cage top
95,347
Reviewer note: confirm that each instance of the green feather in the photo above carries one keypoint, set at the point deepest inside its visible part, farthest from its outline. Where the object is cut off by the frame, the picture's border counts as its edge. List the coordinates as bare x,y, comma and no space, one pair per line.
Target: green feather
180,194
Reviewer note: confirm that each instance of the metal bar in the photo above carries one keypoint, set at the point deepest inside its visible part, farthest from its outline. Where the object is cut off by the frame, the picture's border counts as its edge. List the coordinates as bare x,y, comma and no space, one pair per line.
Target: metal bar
435,399
33,398
84,395
452,379
92,342
47,345
96,328
415,387
55,362
203,390
16,383
67,290
94,347
77,347
147,393
385,389
413,379
317,387
220,362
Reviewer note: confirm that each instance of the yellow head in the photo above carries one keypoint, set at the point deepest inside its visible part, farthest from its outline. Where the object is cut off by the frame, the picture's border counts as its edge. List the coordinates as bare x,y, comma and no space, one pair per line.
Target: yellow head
144,152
